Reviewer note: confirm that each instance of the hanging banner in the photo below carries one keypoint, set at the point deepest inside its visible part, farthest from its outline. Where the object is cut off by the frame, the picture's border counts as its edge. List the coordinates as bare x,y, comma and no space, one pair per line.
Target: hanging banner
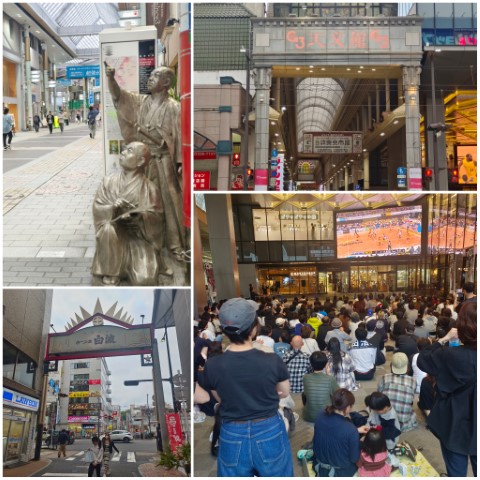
333,142
174,428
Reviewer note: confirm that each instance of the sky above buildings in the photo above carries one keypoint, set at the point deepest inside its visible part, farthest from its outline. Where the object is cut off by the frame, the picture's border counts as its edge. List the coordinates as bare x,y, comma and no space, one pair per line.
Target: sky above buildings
67,302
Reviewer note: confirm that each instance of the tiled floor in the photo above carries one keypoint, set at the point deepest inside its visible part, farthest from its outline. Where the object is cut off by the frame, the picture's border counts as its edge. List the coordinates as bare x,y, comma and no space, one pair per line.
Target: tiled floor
49,237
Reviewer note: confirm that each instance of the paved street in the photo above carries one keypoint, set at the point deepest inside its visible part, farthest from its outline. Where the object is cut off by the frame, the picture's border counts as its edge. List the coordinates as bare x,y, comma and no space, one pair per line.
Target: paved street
132,455
49,184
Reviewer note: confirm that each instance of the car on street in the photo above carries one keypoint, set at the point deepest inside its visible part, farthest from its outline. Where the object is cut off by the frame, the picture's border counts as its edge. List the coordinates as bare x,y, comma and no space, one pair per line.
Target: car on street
120,436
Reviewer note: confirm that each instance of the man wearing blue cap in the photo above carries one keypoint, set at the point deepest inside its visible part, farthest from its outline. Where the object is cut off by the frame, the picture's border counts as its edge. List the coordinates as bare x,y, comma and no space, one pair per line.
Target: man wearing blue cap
249,384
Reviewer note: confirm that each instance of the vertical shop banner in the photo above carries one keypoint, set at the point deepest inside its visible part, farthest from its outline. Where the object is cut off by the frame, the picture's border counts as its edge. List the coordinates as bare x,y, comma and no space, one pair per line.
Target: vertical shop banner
174,428
133,55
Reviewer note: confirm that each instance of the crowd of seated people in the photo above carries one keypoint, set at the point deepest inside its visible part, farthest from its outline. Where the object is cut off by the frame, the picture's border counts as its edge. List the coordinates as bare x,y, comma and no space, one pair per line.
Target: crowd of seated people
330,347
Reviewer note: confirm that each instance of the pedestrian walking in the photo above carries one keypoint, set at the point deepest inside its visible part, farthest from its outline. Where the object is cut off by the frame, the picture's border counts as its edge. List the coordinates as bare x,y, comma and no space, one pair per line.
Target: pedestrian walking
63,438
7,129
61,121
96,463
36,123
108,448
92,121
50,120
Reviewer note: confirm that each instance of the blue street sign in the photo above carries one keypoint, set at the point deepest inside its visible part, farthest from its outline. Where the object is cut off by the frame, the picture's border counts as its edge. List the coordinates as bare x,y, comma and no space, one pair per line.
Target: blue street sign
274,163
83,71
274,152
401,182
357,187
401,171
90,98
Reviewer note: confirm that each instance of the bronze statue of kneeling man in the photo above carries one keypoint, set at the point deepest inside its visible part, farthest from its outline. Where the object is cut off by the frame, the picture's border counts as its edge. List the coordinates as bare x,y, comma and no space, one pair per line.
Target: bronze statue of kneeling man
129,224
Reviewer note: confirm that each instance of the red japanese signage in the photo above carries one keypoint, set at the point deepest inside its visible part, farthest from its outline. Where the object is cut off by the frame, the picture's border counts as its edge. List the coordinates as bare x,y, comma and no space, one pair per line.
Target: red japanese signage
338,39
94,381
201,180
205,155
174,429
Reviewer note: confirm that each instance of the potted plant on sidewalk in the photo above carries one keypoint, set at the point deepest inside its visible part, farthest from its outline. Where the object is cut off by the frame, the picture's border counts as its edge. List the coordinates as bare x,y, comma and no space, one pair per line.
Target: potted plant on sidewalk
184,452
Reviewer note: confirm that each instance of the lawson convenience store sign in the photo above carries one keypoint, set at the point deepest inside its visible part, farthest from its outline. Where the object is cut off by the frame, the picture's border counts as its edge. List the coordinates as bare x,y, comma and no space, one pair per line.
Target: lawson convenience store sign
20,400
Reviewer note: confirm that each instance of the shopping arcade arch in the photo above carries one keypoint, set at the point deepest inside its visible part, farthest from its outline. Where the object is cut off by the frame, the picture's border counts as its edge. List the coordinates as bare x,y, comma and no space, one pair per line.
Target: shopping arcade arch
351,49
90,337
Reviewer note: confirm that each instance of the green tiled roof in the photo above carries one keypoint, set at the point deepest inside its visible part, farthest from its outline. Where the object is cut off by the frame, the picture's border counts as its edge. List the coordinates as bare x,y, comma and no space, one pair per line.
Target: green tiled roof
221,10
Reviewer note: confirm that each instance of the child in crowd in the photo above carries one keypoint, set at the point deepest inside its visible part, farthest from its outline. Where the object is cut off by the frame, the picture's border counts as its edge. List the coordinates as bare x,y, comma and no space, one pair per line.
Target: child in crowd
383,414
373,457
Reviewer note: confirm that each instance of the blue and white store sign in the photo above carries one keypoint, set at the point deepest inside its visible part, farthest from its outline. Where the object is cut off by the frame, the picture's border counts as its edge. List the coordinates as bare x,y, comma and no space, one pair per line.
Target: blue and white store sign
20,400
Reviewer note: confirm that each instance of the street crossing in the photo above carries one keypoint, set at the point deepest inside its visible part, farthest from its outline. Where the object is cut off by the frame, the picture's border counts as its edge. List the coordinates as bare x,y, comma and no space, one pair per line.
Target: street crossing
116,457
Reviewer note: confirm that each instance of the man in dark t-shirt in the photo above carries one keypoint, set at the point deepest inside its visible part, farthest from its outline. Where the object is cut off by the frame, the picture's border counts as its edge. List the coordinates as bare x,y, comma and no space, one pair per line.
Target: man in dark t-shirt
249,383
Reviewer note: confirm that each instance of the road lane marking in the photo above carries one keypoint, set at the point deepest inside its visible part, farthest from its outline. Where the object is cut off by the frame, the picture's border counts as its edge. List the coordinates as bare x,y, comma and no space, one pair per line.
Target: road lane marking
49,474
116,458
131,457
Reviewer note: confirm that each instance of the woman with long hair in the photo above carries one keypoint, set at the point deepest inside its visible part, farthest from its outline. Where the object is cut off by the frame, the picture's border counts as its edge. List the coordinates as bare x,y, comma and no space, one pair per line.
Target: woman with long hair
340,365
453,417
108,448
336,441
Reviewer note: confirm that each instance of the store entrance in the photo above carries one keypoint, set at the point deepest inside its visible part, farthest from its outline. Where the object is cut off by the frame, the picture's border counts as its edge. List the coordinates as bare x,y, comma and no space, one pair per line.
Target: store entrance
300,280
15,433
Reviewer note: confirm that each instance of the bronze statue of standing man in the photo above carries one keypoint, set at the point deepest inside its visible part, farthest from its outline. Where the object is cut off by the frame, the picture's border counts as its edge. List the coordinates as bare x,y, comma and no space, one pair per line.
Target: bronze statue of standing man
154,120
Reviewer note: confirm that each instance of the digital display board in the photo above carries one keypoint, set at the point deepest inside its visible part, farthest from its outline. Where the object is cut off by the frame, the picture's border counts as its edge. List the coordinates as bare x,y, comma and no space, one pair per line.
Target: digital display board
381,232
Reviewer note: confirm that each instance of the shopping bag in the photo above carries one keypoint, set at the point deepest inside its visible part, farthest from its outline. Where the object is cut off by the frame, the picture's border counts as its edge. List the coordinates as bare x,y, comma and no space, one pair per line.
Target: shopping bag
89,457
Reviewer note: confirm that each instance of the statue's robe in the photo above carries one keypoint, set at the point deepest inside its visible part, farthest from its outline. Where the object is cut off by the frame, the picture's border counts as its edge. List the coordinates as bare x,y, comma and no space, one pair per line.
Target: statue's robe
128,249
160,120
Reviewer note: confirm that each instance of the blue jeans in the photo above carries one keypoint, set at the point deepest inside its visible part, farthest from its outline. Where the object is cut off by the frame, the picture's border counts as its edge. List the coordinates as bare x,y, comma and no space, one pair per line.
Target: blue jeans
457,463
259,448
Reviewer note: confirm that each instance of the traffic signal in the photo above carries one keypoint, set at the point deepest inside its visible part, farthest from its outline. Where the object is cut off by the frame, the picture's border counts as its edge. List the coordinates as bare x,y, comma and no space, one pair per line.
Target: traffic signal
250,173
428,174
236,160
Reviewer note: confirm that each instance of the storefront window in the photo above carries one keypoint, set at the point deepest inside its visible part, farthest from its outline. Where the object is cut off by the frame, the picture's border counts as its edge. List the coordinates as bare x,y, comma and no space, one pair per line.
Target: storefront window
25,370
443,15
17,366
9,360
462,15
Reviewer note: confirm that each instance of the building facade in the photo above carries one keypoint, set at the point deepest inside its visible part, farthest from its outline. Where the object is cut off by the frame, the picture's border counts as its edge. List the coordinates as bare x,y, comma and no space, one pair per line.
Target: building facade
27,316
87,409
365,97
302,244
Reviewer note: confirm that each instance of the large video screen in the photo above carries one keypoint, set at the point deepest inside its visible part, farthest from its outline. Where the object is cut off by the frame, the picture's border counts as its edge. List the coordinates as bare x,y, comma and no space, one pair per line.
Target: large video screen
448,234
382,232
467,164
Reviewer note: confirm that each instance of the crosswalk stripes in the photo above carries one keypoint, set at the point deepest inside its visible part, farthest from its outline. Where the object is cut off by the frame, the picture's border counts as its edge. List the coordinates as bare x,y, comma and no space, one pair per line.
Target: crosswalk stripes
116,457
50,474
73,457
